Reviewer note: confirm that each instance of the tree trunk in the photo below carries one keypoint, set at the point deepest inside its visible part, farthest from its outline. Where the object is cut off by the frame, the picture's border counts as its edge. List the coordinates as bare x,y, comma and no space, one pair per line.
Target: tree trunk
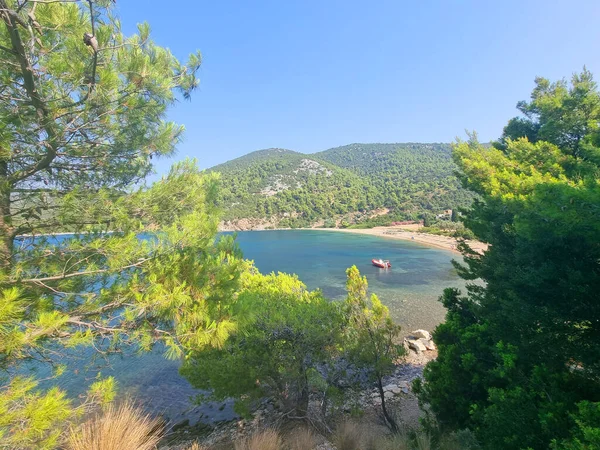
390,422
6,228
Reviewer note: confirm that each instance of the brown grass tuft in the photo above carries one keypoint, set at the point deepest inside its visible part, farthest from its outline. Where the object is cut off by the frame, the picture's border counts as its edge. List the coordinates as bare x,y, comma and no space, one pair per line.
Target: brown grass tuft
301,439
118,427
263,440
347,436
196,446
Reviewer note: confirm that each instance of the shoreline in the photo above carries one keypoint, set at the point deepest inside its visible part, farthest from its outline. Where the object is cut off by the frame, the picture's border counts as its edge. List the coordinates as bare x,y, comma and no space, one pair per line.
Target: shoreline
431,240
400,233
396,233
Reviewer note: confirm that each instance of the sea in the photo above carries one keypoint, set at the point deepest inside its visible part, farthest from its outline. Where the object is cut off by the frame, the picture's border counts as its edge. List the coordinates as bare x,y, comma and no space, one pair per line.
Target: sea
410,289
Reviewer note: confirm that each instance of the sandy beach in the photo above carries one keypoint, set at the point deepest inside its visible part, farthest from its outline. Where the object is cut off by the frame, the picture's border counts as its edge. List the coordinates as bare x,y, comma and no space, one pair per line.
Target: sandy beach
445,242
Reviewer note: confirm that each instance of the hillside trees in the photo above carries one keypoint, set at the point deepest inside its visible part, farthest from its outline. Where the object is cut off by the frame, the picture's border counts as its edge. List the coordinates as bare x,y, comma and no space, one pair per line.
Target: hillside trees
291,342
79,125
372,336
523,349
286,336
408,178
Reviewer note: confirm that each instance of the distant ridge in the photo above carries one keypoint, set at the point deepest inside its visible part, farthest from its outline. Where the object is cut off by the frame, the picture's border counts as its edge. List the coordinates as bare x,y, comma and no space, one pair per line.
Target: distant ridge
281,187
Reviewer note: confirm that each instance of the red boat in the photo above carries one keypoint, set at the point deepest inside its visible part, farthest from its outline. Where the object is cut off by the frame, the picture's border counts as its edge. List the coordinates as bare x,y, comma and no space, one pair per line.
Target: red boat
384,264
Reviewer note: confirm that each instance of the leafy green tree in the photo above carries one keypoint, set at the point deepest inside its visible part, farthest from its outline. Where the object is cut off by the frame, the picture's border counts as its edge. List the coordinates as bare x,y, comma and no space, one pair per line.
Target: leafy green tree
286,335
523,348
426,220
372,336
587,433
82,113
561,114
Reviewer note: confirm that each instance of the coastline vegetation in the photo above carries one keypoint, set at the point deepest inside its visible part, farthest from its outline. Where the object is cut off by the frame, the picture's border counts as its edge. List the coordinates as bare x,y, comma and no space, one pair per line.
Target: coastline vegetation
523,348
519,359
294,190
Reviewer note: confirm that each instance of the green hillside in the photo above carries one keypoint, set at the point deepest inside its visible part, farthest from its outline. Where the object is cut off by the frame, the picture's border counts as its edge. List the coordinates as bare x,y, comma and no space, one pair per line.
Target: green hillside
410,177
296,189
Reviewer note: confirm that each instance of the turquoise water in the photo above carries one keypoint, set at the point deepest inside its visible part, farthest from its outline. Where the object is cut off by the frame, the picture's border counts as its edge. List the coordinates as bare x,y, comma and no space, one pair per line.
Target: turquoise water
410,289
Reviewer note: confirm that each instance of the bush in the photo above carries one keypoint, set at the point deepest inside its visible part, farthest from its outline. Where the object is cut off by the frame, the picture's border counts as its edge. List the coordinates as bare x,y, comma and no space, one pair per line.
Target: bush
329,223
263,440
347,436
301,439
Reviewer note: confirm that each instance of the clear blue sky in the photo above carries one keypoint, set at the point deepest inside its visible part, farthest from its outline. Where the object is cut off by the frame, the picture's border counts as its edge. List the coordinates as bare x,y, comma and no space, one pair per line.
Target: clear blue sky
314,74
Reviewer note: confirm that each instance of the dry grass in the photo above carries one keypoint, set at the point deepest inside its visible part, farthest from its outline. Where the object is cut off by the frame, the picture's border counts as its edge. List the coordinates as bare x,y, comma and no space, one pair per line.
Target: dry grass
196,446
395,442
347,436
263,440
117,428
301,439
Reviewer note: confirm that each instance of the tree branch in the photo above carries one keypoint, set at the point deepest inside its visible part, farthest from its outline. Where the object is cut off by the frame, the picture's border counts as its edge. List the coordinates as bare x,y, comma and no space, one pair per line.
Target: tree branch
11,19
78,274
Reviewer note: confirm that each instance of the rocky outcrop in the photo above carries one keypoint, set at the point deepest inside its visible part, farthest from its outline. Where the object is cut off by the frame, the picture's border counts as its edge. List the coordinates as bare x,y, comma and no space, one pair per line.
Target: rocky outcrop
422,334
420,341
390,391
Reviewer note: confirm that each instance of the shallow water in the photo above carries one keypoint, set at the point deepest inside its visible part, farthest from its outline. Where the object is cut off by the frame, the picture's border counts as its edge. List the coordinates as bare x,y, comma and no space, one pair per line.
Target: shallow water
410,289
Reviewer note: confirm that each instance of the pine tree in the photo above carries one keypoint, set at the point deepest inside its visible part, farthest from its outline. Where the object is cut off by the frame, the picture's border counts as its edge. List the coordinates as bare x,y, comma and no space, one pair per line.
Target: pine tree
82,114
372,336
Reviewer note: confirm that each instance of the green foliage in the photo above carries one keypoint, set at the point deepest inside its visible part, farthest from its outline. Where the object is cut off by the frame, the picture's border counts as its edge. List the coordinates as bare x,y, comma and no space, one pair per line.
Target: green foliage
30,419
407,177
33,419
297,189
285,335
80,124
523,348
372,335
426,220
586,435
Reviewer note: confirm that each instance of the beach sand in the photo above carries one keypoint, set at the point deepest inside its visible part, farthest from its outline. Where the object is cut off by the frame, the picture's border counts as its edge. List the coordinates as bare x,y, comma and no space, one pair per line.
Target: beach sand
445,242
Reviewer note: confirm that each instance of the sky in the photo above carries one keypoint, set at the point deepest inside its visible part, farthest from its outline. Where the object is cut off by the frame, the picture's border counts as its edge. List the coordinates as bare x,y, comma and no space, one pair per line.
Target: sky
309,75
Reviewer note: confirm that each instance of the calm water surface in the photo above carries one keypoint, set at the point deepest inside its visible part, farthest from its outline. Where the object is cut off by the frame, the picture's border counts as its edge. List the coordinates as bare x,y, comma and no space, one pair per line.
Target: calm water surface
410,289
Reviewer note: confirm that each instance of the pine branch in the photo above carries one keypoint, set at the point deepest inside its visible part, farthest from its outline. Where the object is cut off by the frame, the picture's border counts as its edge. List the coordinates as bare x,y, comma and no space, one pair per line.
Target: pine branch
11,19
64,276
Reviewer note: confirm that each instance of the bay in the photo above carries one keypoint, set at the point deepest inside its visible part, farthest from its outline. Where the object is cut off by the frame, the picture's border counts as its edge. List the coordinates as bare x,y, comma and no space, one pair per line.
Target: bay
320,258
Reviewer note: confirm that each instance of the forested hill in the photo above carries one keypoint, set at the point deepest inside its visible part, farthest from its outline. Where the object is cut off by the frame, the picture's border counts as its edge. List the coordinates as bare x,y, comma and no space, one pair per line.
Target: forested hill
288,188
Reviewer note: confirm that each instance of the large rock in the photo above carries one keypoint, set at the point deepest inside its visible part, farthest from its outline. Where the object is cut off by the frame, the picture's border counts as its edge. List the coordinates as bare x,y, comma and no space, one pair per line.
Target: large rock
393,388
428,343
417,345
424,334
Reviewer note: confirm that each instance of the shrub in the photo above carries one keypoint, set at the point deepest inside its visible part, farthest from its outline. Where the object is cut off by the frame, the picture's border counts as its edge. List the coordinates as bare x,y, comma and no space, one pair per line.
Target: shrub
347,436
301,439
263,440
118,427
423,441
398,441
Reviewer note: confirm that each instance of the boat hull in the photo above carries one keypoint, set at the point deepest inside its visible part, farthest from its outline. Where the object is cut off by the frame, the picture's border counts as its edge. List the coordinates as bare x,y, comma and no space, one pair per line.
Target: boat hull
381,264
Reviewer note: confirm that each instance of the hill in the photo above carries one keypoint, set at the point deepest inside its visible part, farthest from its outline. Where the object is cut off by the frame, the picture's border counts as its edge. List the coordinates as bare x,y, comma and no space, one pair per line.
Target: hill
288,188
411,177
